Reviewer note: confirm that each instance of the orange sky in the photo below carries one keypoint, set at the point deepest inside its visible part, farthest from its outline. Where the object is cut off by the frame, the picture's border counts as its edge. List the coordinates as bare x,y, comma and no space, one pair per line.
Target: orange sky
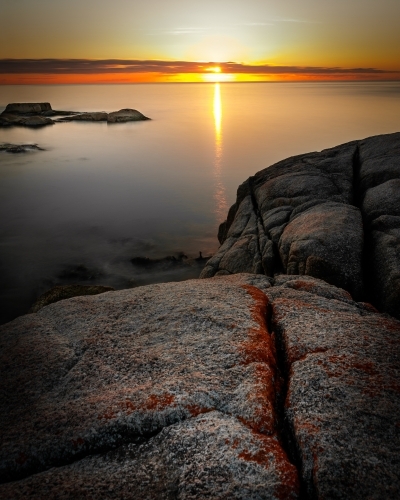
47,41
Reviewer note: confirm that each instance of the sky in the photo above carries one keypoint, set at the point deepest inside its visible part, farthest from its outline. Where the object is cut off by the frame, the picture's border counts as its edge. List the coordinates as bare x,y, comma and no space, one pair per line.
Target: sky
101,41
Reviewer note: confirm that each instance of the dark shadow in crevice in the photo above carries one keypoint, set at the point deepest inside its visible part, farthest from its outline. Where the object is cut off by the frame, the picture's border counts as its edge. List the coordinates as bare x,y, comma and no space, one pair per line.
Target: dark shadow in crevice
366,266
284,428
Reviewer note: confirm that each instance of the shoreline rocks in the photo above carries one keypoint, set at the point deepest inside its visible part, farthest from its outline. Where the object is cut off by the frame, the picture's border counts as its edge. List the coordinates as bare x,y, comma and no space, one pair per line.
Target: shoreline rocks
42,114
19,148
231,387
333,215
239,385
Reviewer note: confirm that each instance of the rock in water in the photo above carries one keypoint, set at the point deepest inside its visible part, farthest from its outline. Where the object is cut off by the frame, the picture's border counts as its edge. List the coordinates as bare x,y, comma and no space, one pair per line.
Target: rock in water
126,115
19,148
220,388
98,116
26,108
27,114
333,215
36,114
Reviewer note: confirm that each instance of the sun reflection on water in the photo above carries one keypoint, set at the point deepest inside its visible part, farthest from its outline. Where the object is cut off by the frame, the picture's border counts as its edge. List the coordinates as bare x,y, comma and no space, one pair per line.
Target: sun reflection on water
221,207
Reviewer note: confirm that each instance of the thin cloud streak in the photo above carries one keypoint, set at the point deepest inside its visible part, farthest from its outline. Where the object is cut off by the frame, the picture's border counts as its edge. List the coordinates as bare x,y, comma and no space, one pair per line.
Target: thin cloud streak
88,66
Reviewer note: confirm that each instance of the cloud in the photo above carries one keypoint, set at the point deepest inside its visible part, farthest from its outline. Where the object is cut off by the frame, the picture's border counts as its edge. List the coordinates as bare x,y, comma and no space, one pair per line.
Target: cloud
123,66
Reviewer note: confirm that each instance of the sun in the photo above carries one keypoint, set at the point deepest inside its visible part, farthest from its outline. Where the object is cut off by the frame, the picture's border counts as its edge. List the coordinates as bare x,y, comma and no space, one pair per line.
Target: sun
215,74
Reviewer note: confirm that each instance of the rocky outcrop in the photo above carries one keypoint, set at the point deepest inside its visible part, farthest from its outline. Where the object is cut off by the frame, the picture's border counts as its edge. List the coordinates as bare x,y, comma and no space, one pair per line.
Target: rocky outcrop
19,148
39,114
232,387
121,116
333,215
125,115
99,116
378,191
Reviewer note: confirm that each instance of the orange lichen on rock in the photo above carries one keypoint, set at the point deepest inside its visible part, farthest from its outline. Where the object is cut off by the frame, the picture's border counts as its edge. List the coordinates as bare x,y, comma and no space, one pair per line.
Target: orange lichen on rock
259,350
295,305
258,347
196,410
271,454
152,402
160,402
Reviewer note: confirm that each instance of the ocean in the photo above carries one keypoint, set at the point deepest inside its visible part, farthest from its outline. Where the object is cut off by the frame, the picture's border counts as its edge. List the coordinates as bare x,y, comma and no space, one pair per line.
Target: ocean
100,195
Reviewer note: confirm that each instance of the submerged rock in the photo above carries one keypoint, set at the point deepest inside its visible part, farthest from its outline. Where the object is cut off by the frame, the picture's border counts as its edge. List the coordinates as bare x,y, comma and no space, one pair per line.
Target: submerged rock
220,388
333,215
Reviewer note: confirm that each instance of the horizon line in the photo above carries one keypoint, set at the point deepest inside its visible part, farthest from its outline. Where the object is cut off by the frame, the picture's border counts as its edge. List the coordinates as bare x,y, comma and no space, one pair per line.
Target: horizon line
117,66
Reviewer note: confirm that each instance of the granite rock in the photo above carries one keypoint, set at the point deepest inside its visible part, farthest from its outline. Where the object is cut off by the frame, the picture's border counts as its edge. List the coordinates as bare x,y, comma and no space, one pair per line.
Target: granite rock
126,115
333,215
185,370
230,387
342,397
325,241
379,195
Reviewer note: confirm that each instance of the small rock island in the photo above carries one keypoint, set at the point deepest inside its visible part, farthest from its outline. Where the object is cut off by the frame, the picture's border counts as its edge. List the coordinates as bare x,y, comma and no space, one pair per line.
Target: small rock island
40,114
275,376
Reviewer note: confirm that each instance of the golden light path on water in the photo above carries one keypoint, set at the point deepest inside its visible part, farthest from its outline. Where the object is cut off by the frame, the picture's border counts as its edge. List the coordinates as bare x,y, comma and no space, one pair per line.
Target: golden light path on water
221,207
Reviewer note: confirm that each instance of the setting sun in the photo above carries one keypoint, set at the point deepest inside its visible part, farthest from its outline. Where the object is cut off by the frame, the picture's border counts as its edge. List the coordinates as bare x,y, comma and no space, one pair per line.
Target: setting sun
215,75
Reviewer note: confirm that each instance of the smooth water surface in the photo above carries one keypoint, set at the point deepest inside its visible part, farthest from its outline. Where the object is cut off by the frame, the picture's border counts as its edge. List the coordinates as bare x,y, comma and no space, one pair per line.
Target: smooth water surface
101,194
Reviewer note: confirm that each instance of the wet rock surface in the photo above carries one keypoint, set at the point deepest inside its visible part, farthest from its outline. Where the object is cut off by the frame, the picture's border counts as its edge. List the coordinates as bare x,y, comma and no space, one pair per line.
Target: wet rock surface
231,387
333,215
41,114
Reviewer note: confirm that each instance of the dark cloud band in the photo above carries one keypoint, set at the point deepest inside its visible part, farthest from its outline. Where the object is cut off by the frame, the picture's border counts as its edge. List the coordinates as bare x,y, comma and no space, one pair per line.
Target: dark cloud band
90,66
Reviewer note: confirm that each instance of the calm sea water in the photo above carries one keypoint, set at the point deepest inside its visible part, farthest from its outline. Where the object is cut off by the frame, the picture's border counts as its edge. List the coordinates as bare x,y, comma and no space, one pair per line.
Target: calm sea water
101,194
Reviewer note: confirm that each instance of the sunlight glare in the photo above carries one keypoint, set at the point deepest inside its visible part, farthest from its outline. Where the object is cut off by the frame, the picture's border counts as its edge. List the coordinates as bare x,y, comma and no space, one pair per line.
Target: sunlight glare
215,75
217,113
221,206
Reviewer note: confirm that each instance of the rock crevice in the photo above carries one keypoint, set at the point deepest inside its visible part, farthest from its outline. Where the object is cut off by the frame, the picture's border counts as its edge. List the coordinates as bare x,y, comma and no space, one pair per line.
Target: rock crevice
233,387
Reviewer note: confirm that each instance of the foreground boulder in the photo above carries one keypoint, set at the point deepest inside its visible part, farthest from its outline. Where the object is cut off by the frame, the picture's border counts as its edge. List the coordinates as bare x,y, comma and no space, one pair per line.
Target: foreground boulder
333,215
182,374
37,114
232,387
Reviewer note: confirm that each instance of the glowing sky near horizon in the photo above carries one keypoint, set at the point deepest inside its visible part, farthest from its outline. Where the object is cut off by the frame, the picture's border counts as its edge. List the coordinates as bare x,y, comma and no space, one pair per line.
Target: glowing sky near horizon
343,33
